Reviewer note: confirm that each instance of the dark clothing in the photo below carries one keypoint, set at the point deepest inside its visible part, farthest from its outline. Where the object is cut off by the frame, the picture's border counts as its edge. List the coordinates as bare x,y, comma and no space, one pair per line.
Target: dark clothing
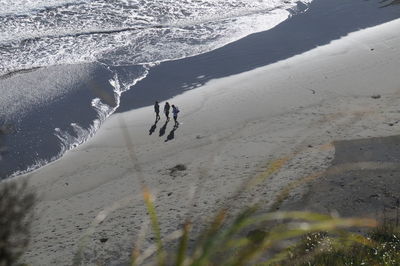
156,108
175,112
166,110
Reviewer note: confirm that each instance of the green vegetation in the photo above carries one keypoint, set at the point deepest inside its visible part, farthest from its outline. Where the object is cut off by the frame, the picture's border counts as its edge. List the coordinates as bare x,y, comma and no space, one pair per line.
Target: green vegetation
279,238
321,249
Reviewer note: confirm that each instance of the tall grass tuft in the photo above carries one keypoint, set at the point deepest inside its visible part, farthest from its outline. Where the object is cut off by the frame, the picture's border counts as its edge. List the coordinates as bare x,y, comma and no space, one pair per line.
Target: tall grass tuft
267,239
155,225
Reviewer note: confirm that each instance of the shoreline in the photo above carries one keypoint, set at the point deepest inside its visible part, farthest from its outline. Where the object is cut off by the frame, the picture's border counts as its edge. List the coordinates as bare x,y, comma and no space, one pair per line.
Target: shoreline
71,131
231,130
49,110
294,36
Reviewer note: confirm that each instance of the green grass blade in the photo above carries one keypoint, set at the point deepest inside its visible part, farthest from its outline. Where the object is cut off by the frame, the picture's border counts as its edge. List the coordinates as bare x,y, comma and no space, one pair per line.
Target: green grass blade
221,239
161,254
201,254
290,231
183,244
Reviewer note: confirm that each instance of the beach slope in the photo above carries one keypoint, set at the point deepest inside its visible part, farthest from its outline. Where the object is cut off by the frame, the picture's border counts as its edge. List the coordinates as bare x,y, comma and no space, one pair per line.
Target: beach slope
231,130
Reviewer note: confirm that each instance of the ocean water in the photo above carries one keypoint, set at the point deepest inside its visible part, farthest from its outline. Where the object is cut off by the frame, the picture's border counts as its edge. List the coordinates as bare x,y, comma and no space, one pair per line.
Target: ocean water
58,61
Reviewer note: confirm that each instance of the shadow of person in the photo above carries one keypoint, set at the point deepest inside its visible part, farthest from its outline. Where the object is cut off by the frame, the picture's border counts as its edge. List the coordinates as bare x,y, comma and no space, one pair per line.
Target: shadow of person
163,128
153,127
171,134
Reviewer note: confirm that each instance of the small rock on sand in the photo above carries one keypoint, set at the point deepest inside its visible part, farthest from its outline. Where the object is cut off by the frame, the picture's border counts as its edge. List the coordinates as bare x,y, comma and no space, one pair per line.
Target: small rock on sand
177,168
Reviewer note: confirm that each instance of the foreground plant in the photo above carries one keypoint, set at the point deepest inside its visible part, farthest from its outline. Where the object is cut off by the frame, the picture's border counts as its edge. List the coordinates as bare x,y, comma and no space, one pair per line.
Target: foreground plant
250,238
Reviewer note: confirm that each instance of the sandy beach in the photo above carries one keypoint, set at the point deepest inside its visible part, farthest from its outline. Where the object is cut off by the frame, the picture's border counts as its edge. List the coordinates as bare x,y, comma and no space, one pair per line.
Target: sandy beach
322,116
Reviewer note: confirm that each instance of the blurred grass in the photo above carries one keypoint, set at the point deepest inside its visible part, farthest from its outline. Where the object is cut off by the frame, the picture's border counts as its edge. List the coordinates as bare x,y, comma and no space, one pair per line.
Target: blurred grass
289,238
16,203
155,225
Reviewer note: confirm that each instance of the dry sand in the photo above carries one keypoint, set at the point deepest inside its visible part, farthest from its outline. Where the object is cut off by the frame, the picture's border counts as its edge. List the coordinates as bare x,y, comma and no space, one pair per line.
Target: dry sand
287,114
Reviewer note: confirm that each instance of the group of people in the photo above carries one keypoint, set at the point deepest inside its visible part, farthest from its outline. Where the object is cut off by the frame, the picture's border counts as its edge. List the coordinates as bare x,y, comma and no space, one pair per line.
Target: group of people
167,107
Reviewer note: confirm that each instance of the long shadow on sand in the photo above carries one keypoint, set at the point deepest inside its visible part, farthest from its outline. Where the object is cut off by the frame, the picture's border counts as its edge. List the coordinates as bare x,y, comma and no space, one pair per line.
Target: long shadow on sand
324,21
163,128
363,180
171,134
154,126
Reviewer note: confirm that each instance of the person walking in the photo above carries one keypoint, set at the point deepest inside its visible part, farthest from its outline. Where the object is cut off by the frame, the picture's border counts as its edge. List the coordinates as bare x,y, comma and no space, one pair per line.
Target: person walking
175,112
157,110
166,110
